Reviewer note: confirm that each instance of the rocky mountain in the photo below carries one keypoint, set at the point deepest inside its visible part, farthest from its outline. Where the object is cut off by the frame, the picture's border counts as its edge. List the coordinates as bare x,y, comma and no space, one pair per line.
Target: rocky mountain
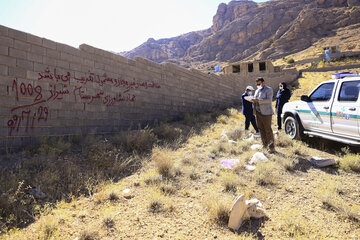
247,30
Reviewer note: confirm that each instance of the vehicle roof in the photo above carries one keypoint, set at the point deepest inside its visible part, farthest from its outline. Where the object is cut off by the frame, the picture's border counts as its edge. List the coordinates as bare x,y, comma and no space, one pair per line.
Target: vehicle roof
343,79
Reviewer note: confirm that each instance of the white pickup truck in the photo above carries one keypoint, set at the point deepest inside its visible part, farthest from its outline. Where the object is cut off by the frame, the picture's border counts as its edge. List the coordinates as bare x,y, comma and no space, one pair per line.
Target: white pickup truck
331,111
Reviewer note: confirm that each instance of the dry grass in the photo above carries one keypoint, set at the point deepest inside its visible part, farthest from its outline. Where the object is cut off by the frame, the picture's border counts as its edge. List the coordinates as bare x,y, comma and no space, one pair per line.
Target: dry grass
218,206
164,161
265,173
229,180
288,162
350,162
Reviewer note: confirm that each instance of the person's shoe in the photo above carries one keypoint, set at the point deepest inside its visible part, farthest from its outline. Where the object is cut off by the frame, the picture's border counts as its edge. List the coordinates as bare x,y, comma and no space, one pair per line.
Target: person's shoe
257,134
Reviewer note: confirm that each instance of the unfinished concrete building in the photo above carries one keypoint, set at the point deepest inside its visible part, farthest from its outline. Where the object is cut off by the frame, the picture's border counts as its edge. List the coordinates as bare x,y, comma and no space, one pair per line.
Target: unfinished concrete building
245,68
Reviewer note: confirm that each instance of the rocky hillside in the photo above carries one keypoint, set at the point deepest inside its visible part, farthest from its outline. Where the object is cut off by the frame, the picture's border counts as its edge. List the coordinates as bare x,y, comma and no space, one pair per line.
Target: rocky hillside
246,30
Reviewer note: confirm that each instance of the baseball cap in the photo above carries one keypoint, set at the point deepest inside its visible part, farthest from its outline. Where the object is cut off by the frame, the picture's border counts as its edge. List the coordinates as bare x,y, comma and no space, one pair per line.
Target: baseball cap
250,88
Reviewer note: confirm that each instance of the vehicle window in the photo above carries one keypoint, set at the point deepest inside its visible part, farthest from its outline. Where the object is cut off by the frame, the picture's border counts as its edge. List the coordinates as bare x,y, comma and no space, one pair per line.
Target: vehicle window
349,91
323,92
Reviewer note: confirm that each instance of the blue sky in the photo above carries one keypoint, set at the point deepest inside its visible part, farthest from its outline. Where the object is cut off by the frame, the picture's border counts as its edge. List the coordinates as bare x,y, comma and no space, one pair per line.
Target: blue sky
115,25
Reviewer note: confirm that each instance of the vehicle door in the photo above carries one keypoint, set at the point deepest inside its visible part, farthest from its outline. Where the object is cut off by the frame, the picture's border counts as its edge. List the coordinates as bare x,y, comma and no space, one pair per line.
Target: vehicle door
319,108
346,109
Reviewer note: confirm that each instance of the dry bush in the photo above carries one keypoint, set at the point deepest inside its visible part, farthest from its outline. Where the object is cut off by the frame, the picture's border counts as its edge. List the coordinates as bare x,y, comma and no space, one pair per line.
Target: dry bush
299,148
109,221
329,193
235,134
152,177
48,228
218,207
140,141
156,204
167,188
222,119
350,162
189,119
89,234
292,223
265,173
164,161
288,162
114,196
167,133
284,141
194,175
229,180
234,113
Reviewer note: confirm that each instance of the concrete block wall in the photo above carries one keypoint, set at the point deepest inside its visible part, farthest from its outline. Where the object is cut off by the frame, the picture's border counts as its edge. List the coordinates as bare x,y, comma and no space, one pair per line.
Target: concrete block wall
51,89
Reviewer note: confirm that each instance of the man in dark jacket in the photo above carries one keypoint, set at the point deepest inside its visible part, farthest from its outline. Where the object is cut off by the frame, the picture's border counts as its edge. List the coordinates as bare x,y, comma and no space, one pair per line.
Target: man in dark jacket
282,97
247,110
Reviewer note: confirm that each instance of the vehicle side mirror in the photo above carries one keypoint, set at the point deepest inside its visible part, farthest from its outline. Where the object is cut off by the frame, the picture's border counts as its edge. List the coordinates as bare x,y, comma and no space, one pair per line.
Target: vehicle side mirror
305,98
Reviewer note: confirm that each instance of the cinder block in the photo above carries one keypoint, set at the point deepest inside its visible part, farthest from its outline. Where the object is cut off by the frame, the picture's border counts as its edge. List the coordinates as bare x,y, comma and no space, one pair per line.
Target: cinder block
3,70
66,57
33,39
87,48
6,41
32,75
4,30
25,64
39,67
49,61
38,50
89,63
6,60
48,43
22,45
4,50
17,34
53,53
17,72
62,64
34,57
68,49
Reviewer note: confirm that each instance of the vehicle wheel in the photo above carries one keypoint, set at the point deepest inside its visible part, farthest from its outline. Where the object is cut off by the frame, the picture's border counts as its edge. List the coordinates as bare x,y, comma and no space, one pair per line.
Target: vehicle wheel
291,127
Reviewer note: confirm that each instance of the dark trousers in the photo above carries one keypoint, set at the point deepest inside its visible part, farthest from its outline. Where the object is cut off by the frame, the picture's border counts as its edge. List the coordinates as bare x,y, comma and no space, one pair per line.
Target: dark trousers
279,120
250,119
267,136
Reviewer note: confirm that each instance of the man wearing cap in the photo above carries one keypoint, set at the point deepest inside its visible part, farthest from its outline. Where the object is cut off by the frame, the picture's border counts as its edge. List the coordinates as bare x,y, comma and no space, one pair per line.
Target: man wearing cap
247,110
264,111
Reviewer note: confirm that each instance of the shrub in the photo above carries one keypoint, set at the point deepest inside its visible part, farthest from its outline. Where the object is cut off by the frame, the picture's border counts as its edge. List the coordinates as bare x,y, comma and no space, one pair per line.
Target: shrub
229,181
222,119
292,223
219,206
351,162
163,161
140,141
289,162
156,203
235,134
152,177
167,133
265,173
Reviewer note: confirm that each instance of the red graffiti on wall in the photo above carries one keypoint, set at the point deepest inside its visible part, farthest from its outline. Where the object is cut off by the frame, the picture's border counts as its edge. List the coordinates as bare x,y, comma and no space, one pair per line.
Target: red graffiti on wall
27,118
54,76
27,115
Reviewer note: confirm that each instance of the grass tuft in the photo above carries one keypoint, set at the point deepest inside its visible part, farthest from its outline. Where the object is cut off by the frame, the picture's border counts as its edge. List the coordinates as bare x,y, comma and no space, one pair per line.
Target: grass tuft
163,161
350,162
264,173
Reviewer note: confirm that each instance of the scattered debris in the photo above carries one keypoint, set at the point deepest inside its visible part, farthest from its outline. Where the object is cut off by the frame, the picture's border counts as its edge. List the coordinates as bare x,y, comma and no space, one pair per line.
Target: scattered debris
229,163
231,141
37,193
322,162
249,139
243,210
250,168
258,156
127,193
224,135
255,146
